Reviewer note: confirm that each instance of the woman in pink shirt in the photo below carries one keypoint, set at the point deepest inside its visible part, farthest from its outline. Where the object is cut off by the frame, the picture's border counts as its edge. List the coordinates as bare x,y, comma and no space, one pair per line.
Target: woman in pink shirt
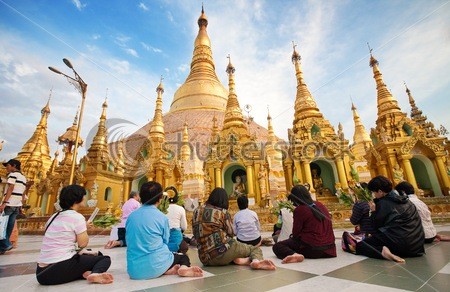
62,258
132,204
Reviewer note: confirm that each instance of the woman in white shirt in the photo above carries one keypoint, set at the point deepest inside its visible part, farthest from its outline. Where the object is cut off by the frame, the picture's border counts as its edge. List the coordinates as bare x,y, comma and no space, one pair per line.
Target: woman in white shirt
177,221
62,259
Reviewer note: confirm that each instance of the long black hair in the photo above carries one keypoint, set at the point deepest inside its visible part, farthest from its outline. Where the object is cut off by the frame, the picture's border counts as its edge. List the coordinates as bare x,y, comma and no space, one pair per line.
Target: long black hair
218,198
301,196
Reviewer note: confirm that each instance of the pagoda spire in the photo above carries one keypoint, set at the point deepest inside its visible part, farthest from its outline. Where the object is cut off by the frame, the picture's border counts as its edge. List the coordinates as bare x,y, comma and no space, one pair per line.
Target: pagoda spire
271,134
386,103
54,163
305,105
68,140
215,129
361,139
233,113
416,114
40,133
157,124
185,149
202,88
98,151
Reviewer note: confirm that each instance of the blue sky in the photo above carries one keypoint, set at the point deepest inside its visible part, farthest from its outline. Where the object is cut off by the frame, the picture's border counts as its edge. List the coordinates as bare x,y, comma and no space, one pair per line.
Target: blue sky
125,46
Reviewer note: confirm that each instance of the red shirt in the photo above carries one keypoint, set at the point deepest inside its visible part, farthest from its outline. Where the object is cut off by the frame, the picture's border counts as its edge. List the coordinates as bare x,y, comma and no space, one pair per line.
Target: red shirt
310,230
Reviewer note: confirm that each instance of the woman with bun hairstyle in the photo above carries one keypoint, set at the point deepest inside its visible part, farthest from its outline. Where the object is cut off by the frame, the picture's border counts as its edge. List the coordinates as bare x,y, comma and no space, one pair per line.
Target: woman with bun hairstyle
177,221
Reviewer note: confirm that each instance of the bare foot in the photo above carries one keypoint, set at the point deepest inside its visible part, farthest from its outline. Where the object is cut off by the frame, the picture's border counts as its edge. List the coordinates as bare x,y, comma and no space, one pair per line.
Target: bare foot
86,274
293,258
242,261
387,254
173,270
113,243
103,278
193,271
262,265
442,237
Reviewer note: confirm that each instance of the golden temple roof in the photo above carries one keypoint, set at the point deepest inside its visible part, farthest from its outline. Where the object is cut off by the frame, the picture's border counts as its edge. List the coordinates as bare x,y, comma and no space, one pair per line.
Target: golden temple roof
387,104
36,150
99,146
305,105
361,138
202,88
233,113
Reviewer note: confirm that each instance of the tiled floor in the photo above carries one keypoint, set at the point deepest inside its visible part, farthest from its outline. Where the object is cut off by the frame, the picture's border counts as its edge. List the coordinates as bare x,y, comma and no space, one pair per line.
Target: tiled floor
345,273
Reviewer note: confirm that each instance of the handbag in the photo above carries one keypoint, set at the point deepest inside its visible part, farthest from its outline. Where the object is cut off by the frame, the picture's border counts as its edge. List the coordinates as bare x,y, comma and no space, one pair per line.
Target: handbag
3,225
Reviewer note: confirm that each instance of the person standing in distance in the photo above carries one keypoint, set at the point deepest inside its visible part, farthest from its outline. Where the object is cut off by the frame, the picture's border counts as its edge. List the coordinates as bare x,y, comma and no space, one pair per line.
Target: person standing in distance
12,199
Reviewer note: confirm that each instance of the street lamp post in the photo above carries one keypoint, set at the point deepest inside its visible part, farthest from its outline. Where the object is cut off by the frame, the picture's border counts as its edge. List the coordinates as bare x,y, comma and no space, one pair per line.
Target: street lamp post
81,86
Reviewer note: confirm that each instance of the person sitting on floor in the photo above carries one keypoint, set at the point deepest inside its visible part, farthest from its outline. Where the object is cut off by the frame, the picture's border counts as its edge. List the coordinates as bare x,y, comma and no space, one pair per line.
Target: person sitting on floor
431,234
399,232
361,218
177,222
213,229
132,204
246,224
312,232
287,219
148,254
62,258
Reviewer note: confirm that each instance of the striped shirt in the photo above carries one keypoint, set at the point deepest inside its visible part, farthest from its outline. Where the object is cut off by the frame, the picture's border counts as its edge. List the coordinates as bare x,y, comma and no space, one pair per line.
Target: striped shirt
60,239
19,181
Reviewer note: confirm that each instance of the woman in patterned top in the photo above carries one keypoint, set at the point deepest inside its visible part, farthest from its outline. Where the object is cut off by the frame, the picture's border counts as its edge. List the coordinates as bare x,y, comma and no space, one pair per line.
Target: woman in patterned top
213,230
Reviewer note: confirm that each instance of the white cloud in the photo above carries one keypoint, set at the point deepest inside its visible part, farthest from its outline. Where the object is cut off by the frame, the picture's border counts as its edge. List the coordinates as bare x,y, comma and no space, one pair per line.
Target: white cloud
143,6
183,67
23,69
96,36
119,66
150,48
131,52
78,4
170,16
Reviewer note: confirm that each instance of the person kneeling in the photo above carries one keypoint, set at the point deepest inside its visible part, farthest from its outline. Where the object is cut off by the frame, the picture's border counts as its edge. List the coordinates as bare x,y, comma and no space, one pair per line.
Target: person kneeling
147,237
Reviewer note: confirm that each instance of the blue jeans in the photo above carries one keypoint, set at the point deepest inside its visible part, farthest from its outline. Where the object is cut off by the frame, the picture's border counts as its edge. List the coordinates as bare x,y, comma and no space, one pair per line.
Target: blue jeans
12,212
175,239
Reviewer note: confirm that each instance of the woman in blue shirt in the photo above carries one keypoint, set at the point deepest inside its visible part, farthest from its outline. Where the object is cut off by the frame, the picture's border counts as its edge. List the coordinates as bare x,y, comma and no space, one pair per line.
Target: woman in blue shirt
148,254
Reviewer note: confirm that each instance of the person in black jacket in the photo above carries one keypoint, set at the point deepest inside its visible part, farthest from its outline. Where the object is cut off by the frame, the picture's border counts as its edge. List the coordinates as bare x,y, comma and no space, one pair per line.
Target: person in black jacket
399,231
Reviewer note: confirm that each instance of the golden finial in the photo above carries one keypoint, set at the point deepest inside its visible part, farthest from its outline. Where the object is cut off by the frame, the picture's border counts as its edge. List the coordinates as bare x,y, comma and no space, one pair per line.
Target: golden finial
370,49
203,11
105,103
75,120
268,113
295,55
160,86
230,67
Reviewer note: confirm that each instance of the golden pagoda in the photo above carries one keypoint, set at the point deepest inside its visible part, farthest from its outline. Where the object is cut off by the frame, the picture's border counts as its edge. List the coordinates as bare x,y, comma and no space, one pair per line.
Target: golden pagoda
236,160
35,153
404,148
177,146
320,156
361,144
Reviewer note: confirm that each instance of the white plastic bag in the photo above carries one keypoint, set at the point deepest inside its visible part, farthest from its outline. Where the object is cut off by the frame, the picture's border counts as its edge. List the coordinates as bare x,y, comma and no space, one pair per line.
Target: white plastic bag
3,224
